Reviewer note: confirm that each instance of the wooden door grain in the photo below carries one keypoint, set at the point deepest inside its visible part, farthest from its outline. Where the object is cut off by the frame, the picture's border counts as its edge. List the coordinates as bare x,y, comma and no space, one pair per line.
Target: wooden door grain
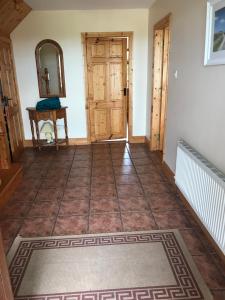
10,92
107,83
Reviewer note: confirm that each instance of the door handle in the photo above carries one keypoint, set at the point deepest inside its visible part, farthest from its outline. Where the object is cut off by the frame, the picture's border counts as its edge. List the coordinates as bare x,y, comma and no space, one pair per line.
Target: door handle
5,101
125,91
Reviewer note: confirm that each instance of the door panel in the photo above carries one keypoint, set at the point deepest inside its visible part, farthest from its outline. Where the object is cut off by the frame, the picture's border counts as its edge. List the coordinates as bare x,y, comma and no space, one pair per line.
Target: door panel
116,81
12,107
98,50
116,49
117,120
107,78
99,82
101,123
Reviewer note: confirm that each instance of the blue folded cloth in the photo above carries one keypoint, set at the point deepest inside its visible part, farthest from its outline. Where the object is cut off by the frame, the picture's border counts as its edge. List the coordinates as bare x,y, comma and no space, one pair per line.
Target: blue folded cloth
48,104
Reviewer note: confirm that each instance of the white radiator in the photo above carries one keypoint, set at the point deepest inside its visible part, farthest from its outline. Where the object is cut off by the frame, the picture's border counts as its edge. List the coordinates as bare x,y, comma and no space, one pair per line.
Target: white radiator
203,186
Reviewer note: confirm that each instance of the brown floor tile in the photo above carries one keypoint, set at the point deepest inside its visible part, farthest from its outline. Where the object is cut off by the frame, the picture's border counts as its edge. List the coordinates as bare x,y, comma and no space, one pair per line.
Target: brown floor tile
120,155
16,210
105,223
29,184
102,171
127,179
148,179
102,179
138,154
79,193
34,173
163,202
78,172
102,163
138,221
81,164
57,173
106,157
66,225
156,188
145,169
44,209
78,181
7,244
24,196
127,190
129,170
40,166
121,152
10,228
219,262
84,156
78,207
141,161
122,162
37,227
218,294
193,241
133,204
211,274
53,183
62,165
102,205
171,220
49,195
89,172
108,190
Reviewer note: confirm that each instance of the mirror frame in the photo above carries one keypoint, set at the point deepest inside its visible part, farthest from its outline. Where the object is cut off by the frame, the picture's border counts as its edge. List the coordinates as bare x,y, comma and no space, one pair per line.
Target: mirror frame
62,93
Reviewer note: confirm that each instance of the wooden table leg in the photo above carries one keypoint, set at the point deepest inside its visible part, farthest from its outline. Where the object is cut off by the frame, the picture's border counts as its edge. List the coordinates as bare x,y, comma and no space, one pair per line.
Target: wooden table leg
32,131
66,130
38,134
56,134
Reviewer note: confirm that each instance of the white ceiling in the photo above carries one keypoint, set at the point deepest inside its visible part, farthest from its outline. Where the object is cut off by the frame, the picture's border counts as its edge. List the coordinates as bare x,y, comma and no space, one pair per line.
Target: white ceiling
88,4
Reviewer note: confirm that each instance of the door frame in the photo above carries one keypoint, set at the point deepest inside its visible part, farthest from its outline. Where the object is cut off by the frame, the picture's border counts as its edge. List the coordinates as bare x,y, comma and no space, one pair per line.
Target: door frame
159,109
125,34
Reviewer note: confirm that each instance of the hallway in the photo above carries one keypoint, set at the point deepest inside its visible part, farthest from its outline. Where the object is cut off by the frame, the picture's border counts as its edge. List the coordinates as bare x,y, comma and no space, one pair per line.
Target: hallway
103,188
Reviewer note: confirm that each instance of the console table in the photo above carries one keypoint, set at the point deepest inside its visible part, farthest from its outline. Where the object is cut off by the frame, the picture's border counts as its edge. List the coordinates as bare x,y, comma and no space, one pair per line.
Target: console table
52,115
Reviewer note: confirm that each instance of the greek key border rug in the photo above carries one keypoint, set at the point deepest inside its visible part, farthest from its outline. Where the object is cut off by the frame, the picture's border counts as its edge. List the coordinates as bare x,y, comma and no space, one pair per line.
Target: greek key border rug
121,266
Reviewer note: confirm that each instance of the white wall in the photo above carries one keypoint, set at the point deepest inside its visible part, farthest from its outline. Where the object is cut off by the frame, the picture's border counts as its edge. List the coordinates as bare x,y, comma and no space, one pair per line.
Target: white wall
196,104
65,27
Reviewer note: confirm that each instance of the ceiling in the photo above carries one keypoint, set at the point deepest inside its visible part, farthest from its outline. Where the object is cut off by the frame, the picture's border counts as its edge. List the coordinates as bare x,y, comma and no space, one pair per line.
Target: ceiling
87,4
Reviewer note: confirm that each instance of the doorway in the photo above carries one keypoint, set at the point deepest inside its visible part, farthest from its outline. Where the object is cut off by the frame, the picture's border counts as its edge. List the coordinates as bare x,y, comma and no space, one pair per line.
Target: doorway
160,84
108,69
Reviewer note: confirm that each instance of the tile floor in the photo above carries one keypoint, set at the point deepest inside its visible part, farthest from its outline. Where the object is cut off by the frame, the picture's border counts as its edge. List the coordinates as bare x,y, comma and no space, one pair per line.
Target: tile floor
103,188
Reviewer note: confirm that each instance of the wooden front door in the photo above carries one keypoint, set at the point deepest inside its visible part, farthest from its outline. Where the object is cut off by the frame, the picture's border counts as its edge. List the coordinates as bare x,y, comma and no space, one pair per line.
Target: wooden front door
5,285
107,87
9,100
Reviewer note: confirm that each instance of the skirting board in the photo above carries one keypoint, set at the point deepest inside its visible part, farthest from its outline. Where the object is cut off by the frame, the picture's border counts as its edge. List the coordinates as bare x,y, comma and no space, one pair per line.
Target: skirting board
72,142
85,141
148,142
171,177
137,139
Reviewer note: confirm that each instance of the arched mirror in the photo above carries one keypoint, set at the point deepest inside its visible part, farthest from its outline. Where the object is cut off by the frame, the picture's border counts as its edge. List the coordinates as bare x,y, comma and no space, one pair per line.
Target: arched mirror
50,69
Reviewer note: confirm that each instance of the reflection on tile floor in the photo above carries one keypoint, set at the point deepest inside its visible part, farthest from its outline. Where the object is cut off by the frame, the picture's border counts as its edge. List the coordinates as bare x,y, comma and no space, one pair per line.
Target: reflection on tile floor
103,188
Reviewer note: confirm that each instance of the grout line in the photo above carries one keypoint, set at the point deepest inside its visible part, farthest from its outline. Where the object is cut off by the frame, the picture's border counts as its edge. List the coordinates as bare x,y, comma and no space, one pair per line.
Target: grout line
144,195
59,203
90,185
118,202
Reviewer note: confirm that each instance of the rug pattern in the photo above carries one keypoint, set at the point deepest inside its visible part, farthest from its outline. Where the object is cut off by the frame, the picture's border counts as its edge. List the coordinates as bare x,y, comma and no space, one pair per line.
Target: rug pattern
186,286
